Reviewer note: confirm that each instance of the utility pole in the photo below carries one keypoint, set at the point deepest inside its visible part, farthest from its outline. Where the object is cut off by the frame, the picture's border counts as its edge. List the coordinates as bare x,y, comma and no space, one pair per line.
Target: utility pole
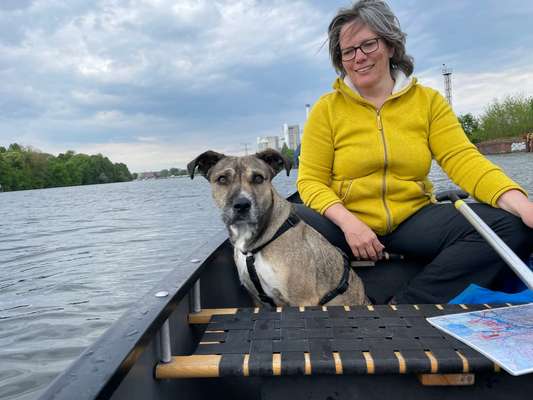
447,74
245,148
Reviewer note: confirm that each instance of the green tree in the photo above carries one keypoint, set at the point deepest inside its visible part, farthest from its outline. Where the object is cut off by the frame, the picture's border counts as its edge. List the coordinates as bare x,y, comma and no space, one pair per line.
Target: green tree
58,174
21,174
6,174
287,152
37,163
28,168
509,118
66,156
122,174
469,123
14,147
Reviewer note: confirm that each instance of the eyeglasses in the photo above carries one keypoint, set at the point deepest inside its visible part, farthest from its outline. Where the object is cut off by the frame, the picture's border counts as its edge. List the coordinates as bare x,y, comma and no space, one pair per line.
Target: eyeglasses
366,47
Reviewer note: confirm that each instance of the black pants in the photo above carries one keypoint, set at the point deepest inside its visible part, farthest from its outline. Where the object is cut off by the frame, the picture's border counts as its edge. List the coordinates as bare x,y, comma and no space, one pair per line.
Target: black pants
451,252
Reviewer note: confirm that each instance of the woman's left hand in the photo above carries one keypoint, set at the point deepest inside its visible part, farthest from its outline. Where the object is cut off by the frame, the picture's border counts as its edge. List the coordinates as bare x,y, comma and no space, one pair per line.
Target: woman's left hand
527,214
515,202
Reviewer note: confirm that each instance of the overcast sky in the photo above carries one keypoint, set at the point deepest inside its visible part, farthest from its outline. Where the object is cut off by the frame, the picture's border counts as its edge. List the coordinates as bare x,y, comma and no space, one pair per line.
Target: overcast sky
152,83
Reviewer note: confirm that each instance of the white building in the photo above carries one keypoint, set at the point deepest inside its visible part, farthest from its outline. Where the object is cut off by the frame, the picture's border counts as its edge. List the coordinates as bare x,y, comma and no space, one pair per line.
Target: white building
291,134
281,142
268,142
291,137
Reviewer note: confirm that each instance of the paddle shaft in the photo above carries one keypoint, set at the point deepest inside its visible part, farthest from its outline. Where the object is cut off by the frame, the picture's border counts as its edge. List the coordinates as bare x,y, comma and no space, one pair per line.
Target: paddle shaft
508,255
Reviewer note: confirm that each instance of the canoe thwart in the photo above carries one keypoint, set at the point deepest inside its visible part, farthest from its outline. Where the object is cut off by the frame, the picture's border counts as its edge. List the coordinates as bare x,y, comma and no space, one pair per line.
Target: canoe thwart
199,366
204,315
208,366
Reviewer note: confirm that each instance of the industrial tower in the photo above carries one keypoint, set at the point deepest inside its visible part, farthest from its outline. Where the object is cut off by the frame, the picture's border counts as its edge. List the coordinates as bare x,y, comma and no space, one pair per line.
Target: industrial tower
447,73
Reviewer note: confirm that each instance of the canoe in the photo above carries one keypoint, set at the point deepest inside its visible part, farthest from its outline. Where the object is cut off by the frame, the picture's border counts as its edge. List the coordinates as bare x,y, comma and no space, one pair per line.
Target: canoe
197,334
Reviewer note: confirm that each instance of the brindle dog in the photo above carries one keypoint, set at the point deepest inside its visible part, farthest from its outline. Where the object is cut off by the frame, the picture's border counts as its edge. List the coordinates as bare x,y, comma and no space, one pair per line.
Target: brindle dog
296,269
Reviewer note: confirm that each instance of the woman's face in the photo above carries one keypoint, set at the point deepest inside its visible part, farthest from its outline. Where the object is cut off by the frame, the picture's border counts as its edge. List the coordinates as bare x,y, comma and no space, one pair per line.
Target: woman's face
366,71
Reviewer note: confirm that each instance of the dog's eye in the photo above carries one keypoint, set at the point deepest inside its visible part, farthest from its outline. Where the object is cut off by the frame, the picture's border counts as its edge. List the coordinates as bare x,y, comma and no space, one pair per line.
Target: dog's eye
258,179
222,180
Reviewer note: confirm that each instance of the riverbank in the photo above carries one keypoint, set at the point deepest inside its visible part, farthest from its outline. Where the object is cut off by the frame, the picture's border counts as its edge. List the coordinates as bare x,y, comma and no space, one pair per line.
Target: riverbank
518,144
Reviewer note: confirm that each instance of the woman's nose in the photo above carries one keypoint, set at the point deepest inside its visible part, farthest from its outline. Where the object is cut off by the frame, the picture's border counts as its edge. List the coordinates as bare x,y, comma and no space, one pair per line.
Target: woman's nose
359,56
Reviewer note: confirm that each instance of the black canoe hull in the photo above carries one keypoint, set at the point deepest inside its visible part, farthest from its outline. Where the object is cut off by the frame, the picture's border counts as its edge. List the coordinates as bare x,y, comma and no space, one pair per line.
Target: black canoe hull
121,364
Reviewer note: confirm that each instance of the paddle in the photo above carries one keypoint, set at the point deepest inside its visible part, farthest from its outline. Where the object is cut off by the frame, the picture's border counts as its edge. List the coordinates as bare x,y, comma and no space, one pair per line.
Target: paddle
516,264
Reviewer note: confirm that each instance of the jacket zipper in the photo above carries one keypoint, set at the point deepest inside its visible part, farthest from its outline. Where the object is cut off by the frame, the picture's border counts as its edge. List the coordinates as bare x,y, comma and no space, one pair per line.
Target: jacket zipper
385,167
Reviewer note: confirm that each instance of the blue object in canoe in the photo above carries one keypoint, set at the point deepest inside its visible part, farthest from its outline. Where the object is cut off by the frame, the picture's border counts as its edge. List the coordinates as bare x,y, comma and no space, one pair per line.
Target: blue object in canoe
515,292
475,294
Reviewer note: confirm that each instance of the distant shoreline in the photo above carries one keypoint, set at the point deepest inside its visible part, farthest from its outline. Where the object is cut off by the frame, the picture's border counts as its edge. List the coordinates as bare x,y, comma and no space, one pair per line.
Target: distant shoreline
517,144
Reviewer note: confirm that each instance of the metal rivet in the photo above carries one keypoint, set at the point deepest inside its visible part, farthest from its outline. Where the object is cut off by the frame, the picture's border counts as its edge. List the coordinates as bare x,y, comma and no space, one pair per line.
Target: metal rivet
162,293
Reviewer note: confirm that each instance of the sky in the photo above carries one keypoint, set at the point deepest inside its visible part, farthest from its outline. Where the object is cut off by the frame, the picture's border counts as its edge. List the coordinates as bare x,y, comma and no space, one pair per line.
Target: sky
153,83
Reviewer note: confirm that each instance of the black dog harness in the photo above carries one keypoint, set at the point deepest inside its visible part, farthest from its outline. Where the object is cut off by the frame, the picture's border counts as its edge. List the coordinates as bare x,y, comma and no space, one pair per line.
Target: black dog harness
292,220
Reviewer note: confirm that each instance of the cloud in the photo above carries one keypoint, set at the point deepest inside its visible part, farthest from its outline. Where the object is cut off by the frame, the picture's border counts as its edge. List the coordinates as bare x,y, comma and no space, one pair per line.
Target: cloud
93,97
146,139
473,92
157,42
144,155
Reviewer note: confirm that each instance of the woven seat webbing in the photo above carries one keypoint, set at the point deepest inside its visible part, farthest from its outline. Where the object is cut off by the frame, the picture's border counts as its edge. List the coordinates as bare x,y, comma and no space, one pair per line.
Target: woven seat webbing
334,340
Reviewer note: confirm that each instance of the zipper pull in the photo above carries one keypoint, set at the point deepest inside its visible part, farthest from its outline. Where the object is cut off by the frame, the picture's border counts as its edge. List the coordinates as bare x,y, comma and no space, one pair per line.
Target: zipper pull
379,121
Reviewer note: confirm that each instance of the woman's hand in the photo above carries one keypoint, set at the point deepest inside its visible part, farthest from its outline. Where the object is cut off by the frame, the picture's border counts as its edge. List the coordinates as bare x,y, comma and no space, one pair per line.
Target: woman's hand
361,239
515,202
527,214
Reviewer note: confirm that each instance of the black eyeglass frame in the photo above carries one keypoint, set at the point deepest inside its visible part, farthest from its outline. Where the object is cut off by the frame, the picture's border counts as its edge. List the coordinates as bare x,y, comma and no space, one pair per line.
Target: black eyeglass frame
360,47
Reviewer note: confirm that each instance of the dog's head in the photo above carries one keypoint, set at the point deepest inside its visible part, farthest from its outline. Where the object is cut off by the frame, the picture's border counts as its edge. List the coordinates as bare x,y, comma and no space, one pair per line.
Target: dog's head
241,186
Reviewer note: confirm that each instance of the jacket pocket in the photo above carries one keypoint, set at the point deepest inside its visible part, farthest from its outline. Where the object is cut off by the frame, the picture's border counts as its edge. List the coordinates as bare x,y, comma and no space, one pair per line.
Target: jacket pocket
426,188
348,187
342,188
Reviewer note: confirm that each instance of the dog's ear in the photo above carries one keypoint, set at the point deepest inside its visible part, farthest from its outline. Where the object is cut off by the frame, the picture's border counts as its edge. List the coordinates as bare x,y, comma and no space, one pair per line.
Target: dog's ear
204,162
275,160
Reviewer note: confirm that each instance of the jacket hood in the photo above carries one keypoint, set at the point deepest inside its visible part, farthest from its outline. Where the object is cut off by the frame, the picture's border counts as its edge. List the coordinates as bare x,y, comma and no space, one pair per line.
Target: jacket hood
402,83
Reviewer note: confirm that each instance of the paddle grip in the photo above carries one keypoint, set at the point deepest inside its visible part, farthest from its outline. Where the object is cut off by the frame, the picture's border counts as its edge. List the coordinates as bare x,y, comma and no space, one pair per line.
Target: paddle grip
451,195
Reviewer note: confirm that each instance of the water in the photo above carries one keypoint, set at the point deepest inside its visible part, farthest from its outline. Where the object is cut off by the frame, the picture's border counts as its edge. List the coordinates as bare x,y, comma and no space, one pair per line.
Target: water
72,260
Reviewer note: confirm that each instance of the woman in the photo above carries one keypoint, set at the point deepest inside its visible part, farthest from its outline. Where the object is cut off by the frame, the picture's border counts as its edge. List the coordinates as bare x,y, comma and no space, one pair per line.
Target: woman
366,154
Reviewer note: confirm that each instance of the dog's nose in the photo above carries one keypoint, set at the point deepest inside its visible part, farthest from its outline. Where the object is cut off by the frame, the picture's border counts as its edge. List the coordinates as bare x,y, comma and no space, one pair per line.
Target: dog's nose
242,205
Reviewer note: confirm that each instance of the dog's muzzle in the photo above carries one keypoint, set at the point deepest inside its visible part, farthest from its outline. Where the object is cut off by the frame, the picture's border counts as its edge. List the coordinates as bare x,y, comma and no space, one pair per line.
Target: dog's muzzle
240,210
241,206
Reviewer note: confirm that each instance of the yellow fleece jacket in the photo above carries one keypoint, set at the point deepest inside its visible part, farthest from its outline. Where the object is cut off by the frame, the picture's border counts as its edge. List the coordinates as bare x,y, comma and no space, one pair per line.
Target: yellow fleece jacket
376,162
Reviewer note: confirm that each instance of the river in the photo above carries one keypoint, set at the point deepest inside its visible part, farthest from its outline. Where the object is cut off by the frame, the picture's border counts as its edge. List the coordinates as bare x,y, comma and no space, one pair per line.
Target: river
72,260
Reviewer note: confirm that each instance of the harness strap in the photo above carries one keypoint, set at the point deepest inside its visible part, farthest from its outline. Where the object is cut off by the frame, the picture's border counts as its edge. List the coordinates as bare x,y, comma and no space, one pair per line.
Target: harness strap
290,222
265,298
343,284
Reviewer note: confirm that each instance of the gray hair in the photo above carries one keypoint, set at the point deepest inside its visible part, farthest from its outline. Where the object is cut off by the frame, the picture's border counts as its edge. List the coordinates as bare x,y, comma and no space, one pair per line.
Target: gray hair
378,16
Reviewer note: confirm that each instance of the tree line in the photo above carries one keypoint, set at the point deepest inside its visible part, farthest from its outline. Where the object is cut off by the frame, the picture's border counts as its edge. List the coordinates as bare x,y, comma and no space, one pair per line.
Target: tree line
511,117
164,173
28,168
